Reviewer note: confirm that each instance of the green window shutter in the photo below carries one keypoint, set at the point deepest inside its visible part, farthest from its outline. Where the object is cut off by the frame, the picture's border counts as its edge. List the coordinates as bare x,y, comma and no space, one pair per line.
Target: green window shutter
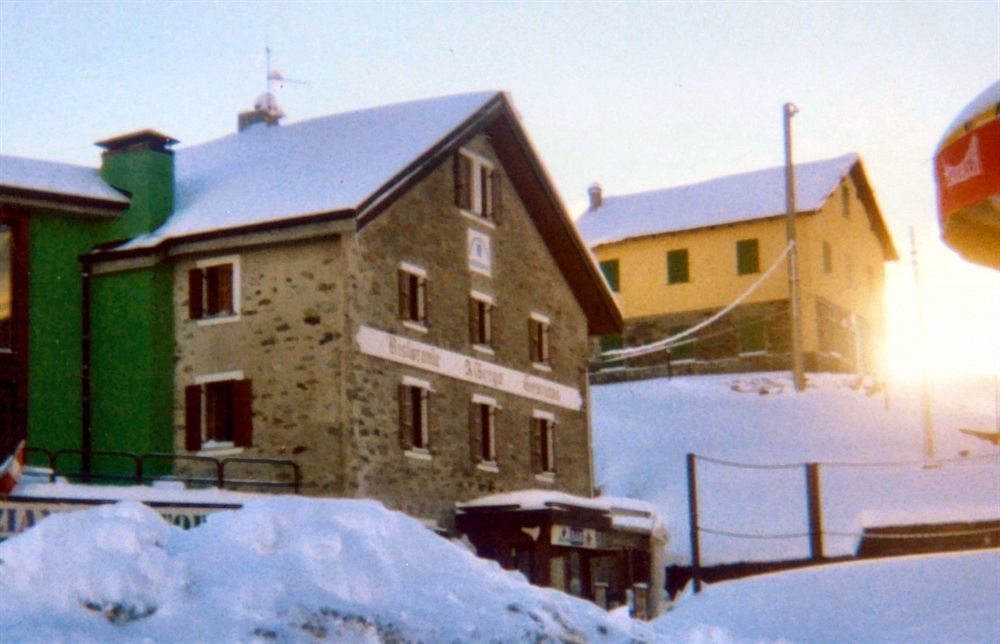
684,351
677,266
747,257
751,335
610,270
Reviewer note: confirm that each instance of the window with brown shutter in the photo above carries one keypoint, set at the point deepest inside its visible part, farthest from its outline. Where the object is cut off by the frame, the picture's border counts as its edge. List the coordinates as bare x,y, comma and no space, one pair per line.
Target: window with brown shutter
414,417
218,413
412,292
482,430
212,290
539,341
196,298
477,186
480,321
535,444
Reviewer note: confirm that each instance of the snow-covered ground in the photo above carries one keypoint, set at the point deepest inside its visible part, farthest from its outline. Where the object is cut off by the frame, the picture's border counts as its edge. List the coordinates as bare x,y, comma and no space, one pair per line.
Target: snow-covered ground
946,598
284,569
644,429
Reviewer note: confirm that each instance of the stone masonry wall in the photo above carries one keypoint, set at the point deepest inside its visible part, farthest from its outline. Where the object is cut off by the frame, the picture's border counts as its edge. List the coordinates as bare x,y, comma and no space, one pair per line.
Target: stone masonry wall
426,229
289,339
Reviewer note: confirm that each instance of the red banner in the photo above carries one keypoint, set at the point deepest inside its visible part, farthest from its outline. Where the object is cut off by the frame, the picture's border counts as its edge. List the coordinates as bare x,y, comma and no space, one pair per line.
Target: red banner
968,170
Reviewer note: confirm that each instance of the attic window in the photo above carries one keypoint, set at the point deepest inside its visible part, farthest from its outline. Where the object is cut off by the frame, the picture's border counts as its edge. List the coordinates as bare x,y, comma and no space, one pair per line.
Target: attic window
478,189
845,201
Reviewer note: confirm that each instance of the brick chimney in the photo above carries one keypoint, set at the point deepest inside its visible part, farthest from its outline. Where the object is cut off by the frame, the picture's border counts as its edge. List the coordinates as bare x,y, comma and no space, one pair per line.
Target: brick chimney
596,198
142,165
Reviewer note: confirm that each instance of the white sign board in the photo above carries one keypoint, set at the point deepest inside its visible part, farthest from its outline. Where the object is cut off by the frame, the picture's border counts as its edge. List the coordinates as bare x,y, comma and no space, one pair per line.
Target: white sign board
462,367
480,260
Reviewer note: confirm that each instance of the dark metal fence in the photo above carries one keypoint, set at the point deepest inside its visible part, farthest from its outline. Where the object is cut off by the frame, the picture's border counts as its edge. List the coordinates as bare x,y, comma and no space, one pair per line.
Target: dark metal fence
110,466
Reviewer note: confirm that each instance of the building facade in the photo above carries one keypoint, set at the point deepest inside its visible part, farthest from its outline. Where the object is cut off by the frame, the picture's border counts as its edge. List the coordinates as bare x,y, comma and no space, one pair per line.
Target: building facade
676,257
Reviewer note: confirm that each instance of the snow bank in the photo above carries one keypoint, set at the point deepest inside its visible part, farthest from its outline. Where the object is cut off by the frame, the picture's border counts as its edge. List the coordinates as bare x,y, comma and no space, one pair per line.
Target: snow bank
643,430
286,569
940,598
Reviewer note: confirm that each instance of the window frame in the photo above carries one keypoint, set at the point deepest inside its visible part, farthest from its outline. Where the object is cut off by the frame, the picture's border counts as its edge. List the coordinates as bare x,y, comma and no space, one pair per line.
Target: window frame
412,286
674,276
483,412
543,445
415,418
478,191
198,406
540,341
748,256
482,322
201,286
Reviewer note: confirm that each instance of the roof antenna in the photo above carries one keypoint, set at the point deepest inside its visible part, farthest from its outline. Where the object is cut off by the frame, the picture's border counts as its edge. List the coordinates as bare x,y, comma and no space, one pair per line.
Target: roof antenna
265,107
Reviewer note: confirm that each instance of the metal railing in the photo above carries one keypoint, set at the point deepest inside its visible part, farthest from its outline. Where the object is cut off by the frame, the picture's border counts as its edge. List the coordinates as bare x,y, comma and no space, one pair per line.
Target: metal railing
139,469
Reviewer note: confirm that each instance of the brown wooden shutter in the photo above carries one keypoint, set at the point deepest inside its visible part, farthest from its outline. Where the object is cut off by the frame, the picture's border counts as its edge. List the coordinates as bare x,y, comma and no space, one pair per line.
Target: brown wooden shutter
496,185
463,176
195,296
535,443
242,413
403,279
473,320
423,284
225,289
552,456
192,418
533,340
485,204
405,418
426,399
550,345
475,434
495,419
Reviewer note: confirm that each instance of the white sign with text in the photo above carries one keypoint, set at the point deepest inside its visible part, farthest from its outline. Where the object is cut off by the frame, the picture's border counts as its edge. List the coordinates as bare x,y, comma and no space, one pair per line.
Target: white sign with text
462,367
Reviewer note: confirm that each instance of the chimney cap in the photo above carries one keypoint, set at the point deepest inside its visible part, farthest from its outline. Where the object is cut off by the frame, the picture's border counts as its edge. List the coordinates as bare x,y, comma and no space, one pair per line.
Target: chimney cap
142,140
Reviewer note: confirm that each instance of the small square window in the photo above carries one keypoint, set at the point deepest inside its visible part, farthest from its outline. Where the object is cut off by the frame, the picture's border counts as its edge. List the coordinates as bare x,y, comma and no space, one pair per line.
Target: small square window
747,257
213,289
677,266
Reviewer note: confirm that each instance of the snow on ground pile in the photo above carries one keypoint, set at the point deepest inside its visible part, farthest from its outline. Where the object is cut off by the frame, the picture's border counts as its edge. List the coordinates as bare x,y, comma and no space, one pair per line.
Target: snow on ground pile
944,598
286,569
644,429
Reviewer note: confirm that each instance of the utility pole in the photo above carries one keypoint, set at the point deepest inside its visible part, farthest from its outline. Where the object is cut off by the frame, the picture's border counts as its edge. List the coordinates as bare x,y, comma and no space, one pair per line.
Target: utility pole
925,392
798,372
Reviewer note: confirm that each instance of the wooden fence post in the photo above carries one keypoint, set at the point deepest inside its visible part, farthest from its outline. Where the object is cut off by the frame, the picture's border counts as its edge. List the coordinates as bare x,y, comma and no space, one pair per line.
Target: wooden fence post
692,475
815,504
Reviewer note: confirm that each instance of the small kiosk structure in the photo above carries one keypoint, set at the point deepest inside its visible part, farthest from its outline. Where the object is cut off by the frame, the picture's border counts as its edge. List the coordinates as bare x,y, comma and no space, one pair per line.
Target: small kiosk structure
607,550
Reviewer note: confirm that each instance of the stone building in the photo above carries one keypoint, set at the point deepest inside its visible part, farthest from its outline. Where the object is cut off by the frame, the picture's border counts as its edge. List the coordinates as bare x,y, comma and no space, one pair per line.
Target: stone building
394,298
676,257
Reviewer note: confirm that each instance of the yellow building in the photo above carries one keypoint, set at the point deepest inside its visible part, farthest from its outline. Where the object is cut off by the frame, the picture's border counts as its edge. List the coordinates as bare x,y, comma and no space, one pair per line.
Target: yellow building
675,257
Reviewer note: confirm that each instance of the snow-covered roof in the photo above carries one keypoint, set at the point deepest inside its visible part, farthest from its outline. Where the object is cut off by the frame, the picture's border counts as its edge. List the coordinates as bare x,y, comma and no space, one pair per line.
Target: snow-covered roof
724,200
626,514
58,179
334,163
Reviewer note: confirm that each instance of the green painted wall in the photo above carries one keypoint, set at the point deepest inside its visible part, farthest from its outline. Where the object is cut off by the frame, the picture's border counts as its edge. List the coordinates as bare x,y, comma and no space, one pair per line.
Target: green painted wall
131,326
132,360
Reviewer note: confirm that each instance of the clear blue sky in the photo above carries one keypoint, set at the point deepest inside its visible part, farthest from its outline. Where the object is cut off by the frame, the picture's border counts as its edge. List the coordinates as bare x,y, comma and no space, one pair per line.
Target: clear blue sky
635,95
